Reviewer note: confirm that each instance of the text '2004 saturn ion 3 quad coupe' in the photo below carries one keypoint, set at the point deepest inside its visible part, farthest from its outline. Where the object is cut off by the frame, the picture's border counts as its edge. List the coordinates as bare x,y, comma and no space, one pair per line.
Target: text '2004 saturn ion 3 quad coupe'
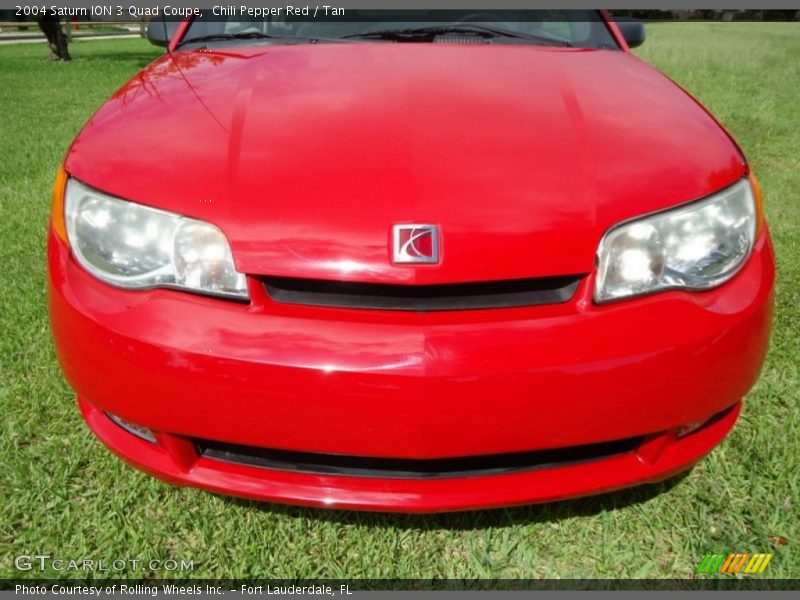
408,266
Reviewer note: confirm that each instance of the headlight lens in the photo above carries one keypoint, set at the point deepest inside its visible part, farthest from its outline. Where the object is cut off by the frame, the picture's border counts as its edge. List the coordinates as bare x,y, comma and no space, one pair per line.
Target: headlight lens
695,247
137,247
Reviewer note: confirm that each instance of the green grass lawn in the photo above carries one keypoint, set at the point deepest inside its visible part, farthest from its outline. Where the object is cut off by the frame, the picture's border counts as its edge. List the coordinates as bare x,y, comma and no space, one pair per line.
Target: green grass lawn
63,493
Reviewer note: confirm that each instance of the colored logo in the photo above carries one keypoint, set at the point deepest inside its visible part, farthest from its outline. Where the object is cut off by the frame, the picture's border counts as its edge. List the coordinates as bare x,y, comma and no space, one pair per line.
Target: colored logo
415,244
734,563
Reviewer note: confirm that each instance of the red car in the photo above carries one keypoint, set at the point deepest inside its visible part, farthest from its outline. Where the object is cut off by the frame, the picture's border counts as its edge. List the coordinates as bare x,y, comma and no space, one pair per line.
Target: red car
408,266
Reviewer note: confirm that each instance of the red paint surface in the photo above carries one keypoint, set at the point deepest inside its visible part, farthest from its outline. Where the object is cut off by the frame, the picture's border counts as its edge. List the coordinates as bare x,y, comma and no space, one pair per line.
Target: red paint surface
441,495
306,155
411,385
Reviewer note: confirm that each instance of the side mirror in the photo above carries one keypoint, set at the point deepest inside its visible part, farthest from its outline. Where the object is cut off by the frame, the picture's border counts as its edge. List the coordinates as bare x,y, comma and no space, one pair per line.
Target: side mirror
160,30
632,30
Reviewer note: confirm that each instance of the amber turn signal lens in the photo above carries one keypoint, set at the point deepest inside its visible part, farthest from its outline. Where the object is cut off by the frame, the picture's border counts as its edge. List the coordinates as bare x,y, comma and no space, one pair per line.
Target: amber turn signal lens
759,202
57,209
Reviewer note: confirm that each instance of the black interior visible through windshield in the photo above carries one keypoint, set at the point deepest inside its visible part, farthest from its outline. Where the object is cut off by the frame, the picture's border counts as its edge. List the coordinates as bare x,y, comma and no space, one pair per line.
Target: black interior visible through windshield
568,28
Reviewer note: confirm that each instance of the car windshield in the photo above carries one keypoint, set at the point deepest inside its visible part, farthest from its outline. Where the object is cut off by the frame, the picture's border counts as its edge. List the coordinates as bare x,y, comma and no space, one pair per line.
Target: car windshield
565,28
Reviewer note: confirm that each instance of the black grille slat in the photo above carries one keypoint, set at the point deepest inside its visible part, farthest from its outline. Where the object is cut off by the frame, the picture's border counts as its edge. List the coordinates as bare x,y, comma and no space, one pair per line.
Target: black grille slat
454,296
398,468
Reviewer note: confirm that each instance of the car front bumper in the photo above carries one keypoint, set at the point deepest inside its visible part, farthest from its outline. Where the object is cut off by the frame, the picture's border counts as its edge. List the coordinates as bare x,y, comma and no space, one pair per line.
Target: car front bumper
412,387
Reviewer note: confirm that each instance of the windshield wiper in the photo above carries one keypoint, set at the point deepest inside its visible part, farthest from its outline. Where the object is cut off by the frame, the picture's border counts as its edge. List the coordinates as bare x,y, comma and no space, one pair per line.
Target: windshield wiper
430,32
255,35
218,37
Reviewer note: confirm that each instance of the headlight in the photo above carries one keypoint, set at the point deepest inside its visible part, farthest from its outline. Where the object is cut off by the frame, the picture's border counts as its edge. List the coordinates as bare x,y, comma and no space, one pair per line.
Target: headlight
136,247
694,247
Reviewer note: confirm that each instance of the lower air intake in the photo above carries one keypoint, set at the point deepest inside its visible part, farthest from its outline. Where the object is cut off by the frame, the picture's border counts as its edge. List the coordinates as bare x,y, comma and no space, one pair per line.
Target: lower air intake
398,468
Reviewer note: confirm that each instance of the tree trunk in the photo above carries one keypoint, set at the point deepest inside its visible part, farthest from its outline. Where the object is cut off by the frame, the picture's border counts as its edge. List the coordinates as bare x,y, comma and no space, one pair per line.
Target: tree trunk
56,39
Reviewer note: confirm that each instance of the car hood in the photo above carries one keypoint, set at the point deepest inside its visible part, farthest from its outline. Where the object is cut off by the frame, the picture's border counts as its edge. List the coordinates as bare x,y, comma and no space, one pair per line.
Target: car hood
307,155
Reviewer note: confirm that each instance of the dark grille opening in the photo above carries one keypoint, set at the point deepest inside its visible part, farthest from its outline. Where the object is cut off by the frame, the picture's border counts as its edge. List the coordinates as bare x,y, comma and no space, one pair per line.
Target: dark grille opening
399,468
455,296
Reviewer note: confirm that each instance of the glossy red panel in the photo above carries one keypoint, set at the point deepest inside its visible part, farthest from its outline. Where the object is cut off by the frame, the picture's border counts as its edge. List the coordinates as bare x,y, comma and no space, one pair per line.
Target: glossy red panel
167,460
411,385
523,159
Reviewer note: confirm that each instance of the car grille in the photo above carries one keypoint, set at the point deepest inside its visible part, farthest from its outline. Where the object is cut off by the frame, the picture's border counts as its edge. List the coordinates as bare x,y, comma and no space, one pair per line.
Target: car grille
399,468
441,297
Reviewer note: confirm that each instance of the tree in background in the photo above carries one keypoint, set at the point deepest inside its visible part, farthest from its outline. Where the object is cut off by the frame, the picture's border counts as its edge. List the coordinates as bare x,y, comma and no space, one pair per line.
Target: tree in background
56,38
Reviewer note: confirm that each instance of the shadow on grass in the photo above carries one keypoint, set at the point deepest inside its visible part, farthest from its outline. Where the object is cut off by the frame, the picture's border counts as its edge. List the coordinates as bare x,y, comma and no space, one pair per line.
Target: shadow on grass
137,59
478,519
